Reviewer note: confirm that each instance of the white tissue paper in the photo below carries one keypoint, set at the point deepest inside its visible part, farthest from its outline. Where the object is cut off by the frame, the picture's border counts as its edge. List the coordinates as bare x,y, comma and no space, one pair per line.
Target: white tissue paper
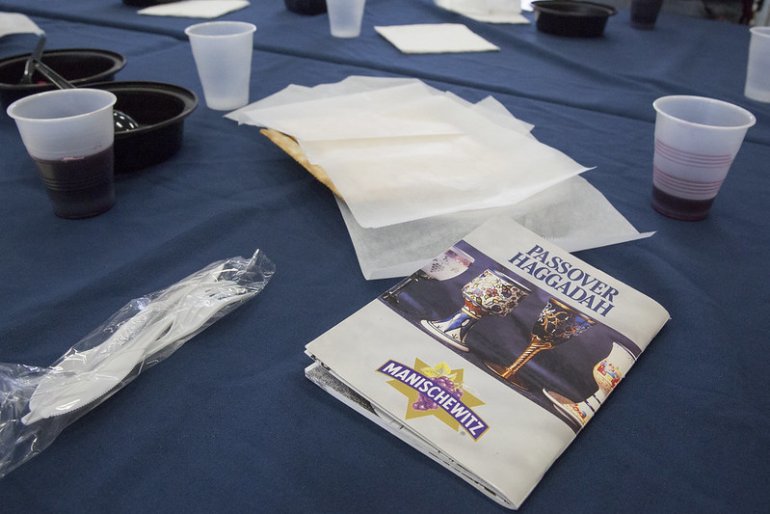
487,11
407,151
572,214
401,111
419,168
435,38
14,23
195,8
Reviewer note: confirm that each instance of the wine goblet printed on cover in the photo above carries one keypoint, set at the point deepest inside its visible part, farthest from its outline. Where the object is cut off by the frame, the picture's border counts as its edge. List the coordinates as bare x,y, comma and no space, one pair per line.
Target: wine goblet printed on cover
556,325
491,293
450,264
608,372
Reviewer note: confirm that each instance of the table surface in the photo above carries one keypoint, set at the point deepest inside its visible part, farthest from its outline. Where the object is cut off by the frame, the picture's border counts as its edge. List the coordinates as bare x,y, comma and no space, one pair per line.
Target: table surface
229,423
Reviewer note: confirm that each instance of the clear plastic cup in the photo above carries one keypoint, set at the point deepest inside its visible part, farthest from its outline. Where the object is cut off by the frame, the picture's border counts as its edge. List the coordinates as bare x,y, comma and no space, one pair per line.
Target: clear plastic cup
758,69
345,17
222,51
69,134
696,140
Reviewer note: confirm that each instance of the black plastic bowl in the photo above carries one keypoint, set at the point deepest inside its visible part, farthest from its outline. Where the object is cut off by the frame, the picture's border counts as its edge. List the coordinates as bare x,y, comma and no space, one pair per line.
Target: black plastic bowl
572,18
160,110
310,7
79,66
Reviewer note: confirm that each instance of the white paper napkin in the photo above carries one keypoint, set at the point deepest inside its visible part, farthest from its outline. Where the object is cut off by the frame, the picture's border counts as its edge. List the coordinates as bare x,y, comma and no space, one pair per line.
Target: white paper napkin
435,38
409,176
195,8
400,221
398,150
394,180
487,11
572,214
14,23
398,111
294,94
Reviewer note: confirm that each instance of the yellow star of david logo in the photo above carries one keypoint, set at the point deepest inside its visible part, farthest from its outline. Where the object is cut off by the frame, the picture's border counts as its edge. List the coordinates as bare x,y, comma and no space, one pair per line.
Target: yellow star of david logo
442,369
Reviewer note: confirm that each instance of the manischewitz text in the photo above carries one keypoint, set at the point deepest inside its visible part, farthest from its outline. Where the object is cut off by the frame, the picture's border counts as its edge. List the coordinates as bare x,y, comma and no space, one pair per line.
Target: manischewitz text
443,398
563,276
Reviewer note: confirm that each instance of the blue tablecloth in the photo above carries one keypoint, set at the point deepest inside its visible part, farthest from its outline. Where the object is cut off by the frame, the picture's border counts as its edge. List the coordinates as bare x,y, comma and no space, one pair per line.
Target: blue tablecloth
230,424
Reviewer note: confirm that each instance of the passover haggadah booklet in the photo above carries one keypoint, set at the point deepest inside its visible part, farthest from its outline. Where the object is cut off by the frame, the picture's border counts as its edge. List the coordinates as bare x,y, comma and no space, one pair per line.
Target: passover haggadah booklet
491,358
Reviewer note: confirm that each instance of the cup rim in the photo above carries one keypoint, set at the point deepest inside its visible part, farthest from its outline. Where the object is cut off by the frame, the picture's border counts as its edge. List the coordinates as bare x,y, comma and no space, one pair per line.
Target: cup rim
763,32
60,92
751,120
245,26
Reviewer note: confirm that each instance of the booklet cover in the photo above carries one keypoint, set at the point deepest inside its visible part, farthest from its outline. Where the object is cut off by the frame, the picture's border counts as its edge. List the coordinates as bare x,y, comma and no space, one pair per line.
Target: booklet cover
491,358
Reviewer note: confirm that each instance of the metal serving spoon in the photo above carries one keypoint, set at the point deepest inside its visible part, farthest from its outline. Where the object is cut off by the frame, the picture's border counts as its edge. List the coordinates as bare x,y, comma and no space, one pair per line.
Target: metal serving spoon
123,122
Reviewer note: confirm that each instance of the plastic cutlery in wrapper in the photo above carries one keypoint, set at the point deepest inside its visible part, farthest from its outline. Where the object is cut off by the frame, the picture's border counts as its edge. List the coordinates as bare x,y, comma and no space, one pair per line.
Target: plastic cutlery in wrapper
36,404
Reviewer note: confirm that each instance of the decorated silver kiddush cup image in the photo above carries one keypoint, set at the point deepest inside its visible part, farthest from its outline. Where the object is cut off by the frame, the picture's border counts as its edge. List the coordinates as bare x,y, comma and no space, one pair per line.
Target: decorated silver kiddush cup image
491,293
556,324
450,264
607,373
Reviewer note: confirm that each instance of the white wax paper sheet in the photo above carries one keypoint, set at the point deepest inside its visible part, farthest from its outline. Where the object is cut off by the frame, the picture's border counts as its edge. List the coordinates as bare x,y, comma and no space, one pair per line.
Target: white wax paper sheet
572,214
395,180
195,8
15,23
419,168
400,111
398,150
486,11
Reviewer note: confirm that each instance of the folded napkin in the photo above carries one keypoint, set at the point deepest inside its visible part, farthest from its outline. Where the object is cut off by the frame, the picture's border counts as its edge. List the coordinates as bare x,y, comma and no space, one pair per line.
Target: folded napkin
195,8
435,38
487,11
14,23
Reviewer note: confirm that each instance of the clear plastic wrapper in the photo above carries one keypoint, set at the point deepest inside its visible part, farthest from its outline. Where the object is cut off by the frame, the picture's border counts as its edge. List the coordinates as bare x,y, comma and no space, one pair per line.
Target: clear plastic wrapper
36,403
